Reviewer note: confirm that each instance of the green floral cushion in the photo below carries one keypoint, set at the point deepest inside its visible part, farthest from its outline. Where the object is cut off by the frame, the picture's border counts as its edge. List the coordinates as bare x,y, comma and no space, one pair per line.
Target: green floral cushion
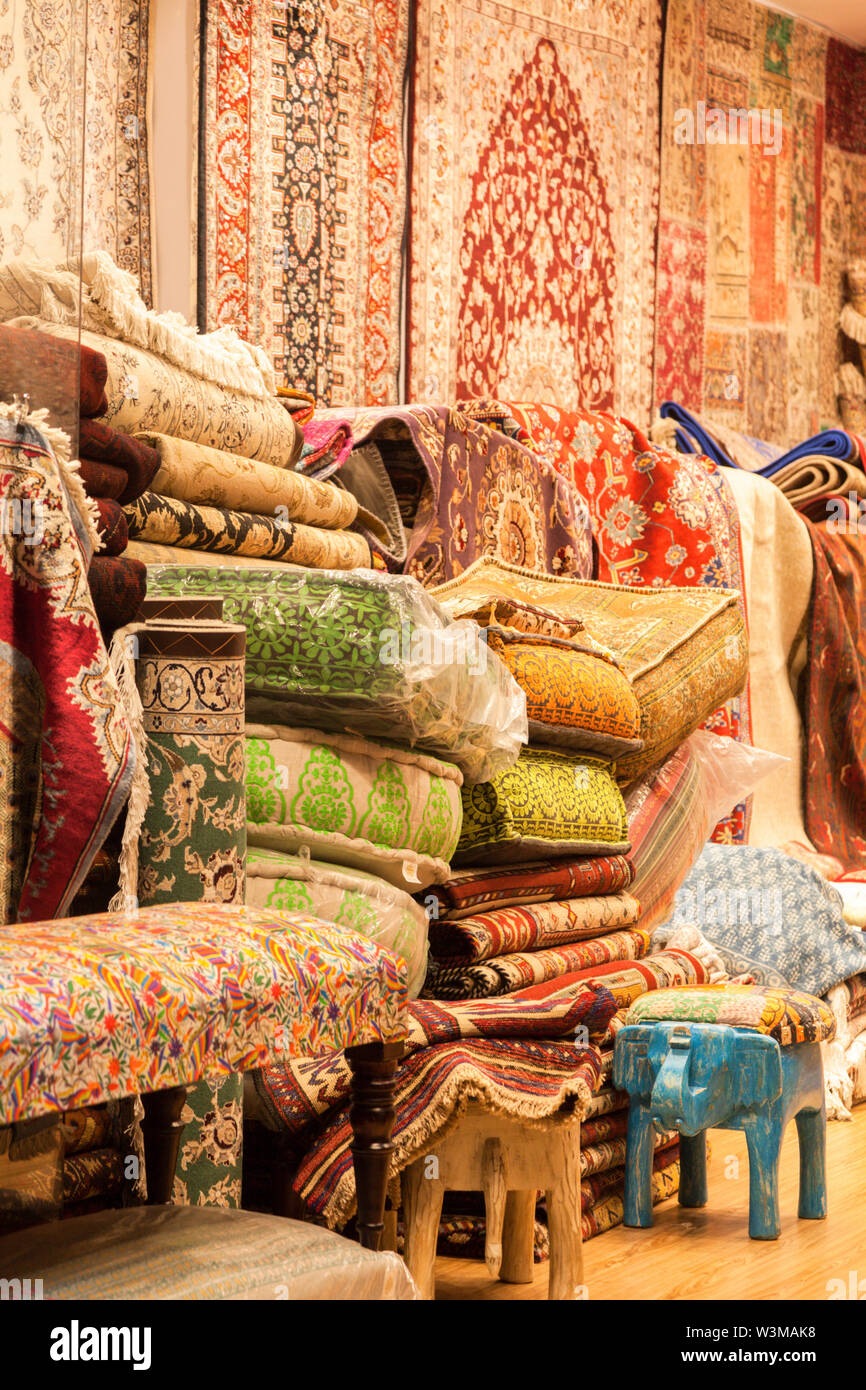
351,899
788,1015
389,811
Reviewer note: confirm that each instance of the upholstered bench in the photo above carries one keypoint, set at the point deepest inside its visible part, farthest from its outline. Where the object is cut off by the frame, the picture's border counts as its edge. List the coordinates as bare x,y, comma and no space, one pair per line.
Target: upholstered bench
726,1057
145,1003
199,1253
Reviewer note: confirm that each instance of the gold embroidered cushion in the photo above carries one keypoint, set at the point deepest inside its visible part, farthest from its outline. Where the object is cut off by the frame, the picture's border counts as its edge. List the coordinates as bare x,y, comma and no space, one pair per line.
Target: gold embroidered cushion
351,899
576,698
685,650
390,811
549,803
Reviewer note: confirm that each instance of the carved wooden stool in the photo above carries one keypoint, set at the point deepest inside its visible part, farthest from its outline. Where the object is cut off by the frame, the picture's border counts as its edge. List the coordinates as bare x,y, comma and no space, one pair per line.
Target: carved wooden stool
508,1162
737,1057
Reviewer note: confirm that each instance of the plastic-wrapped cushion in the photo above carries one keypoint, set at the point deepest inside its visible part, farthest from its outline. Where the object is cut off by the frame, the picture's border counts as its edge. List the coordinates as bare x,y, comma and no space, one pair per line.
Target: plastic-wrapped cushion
548,804
199,1253
350,898
371,653
389,811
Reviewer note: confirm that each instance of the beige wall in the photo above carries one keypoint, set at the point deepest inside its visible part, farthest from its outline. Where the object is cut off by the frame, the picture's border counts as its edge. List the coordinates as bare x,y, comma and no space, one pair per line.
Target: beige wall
173,142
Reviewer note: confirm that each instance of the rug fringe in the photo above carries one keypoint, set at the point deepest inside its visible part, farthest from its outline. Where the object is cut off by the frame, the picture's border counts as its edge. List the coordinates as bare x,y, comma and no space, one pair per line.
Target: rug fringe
852,324
850,381
446,1114
123,665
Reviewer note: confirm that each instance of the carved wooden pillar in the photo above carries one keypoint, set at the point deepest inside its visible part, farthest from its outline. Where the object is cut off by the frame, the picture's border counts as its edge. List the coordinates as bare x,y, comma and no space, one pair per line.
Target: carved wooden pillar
374,1072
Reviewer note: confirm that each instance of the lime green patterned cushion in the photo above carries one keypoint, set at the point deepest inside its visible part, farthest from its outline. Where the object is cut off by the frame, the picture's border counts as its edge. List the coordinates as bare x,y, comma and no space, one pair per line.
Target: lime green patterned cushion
198,1253
390,811
351,899
548,803
788,1015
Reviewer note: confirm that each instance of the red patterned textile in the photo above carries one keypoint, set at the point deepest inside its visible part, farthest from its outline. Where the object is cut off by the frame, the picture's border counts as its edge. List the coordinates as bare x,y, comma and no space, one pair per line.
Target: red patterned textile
65,746
520,970
529,1080
531,928
484,890
534,193
834,790
302,203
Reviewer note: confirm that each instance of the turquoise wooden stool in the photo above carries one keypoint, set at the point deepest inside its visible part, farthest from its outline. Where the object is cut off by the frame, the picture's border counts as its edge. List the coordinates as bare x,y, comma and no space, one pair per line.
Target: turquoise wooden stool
714,1057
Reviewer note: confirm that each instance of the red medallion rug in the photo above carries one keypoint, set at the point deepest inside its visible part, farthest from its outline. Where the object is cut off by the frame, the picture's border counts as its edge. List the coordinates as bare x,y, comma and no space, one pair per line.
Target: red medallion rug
754,234
66,754
302,188
533,204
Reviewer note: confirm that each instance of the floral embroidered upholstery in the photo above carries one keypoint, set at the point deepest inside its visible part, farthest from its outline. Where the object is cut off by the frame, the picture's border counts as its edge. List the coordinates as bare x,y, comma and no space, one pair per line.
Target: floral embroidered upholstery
95,1008
351,899
548,803
787,1015
390,811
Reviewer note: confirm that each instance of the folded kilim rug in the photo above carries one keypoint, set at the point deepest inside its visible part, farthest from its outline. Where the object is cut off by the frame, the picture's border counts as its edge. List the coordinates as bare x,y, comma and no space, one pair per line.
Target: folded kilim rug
529,1081
520,970
296,1094
472,891
533,928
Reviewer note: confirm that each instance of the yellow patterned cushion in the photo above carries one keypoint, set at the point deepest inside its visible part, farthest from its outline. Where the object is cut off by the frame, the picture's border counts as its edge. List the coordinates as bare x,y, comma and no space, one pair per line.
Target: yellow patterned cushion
548,804
685,650
576,697
788,1015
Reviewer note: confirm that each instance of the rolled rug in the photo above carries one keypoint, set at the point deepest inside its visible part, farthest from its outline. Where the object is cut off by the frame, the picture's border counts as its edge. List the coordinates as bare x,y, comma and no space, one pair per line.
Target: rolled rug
102,479
102,444
166,521
55,365
147,392
117,587
196,473
112,527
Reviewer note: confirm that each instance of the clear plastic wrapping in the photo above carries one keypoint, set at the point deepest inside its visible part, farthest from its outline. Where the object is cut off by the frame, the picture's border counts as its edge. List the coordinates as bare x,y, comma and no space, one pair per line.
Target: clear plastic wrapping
365,653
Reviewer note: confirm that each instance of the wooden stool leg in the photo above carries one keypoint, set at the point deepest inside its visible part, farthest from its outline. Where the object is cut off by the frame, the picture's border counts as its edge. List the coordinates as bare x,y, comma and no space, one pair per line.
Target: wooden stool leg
161,1130
374,1071
389,1232
563,1214
494,1185
812,1138
422,1209
518,1238
638,1202
764,1140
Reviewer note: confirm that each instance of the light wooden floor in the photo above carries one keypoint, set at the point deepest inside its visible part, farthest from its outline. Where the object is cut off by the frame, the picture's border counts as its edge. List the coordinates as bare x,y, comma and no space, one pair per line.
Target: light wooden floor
706,1253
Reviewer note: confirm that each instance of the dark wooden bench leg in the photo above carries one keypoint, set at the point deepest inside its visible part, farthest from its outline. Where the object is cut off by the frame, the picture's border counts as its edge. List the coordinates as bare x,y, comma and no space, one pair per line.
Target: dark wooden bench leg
374,1071
162,1128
